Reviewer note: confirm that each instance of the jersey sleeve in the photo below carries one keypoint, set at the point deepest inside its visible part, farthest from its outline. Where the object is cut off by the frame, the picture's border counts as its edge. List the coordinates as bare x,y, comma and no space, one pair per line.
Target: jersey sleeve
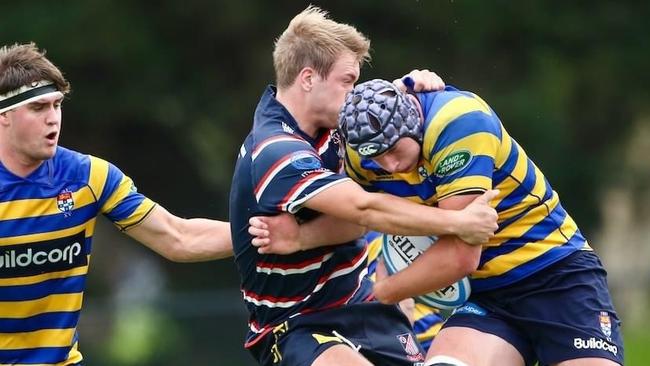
287,172
359,170
462,156
117,195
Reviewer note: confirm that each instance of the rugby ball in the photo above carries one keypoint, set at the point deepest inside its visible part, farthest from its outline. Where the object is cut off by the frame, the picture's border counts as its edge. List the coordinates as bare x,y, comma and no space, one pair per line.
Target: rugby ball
399,251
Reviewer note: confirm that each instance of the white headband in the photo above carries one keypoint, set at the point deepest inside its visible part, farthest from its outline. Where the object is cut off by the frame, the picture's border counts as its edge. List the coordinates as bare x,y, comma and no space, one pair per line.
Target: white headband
27,94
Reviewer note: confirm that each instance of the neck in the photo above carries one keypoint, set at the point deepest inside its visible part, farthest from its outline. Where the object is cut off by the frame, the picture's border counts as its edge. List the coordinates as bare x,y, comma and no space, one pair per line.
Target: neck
295,102
17,165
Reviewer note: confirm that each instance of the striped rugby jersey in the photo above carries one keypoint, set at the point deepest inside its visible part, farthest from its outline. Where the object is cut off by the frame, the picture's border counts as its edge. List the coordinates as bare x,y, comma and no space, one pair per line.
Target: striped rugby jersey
279,168
427,319
466,149
47,222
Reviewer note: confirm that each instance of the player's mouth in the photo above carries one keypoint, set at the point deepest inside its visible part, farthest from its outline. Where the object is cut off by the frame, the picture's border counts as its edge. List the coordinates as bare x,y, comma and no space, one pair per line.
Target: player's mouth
52,137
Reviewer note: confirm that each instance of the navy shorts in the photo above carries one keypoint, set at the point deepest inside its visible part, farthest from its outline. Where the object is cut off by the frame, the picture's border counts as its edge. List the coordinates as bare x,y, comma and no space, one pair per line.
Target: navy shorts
560,313
381,333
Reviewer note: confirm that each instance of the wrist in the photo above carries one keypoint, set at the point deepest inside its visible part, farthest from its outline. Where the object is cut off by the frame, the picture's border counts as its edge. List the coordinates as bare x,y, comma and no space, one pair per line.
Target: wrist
381,291
455,224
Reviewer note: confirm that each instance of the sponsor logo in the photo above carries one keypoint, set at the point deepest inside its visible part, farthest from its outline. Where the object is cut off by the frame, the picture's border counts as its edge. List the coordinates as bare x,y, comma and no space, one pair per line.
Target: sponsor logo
605,324
593,343
368,148
65,201
286,128
412,350
453,163
46,256
305,161
470,308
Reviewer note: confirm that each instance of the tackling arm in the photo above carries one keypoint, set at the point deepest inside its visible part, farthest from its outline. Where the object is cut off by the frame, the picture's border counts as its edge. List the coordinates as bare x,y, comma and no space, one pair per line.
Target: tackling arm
450,258
183,240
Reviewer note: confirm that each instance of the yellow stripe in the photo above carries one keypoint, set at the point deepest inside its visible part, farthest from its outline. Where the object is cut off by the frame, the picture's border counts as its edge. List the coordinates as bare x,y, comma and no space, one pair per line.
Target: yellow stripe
37,339
521,166
122,191
143,210
98,175
17,281
504,149
504,263
89,226
24,309
19,209
464,184
450,111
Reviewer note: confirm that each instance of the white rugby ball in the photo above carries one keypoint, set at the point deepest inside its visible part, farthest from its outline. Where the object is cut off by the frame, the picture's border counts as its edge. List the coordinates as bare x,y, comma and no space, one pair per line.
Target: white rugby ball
399,251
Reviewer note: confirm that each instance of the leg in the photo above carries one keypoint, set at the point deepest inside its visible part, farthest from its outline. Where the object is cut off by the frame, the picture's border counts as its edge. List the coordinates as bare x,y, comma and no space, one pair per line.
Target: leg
474,347
590,361
341,355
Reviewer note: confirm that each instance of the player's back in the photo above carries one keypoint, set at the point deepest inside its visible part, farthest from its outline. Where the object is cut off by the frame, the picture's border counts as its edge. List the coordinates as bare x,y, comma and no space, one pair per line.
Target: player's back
278,169
466,149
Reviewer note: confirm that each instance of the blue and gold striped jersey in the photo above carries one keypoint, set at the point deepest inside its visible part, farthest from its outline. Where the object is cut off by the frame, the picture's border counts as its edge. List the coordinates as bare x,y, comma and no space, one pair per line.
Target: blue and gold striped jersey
47,221
466,149
427,320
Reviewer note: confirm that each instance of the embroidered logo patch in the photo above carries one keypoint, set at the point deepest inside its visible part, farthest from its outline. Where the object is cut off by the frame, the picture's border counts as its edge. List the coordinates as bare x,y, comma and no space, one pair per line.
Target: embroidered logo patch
605,324
453,163
64,201
412,350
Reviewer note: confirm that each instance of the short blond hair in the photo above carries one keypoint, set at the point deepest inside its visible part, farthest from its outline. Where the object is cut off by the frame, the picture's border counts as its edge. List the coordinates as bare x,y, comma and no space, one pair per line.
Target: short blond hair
312,39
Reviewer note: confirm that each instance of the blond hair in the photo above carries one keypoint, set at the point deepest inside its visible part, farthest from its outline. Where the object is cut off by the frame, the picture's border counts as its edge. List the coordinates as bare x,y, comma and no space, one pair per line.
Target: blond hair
22,64
314,40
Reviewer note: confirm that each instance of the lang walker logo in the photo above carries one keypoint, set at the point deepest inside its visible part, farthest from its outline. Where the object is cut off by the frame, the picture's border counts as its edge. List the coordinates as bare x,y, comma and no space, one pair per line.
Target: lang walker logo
65,202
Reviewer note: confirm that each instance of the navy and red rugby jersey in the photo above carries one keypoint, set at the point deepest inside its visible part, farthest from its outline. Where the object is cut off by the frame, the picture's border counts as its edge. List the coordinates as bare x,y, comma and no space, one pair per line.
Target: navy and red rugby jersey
279,167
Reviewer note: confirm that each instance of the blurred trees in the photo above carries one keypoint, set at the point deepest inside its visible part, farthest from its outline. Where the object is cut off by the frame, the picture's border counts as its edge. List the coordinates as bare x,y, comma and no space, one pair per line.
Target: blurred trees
166,89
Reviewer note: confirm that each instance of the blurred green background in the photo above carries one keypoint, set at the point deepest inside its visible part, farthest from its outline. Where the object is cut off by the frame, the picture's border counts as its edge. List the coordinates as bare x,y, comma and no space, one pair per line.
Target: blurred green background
166,90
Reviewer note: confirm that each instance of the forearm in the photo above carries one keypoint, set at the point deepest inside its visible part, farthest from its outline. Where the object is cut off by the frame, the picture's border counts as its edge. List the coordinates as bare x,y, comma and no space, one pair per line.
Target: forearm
328,230
446,262
390,214
203,240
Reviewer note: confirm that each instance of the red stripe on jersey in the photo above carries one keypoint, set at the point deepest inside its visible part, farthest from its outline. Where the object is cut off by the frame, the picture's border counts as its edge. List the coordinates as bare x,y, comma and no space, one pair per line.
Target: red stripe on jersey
291,265
302,182
266,175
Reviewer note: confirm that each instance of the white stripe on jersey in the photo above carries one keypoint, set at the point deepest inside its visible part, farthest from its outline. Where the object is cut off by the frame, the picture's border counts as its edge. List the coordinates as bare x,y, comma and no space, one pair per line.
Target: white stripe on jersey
283,163
290,271
288,304
293,206
258,149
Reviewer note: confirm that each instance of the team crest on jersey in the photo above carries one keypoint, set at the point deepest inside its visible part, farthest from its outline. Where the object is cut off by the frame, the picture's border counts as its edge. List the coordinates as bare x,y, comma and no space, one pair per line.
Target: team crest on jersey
303,160
453,163
412,350
423,172
65,202
605,324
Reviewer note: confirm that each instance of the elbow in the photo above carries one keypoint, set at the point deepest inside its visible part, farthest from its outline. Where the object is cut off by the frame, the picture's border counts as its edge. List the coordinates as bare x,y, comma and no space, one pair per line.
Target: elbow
469,257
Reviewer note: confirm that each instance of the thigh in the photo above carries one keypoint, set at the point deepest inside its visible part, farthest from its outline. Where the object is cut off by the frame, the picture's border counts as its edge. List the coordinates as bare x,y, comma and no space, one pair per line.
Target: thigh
341,355
571,316
474,347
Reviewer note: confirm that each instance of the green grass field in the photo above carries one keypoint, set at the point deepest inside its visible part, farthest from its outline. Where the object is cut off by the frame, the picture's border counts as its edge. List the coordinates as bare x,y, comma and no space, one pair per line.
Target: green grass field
637,348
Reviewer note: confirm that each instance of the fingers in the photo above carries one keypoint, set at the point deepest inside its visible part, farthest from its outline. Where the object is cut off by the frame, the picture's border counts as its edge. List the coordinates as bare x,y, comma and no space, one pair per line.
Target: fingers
259,242
258,222
425,80
489,195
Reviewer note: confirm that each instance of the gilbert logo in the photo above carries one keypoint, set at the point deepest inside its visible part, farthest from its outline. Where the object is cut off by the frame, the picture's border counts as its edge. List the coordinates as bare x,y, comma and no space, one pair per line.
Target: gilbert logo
453,163
46,256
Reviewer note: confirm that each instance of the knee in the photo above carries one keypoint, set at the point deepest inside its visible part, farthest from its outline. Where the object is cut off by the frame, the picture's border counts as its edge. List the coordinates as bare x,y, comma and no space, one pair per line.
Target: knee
444,361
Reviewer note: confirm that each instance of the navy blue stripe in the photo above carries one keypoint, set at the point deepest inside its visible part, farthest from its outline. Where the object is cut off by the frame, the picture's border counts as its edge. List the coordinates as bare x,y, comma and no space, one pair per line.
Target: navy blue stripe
481,165
126,207
371,236
508,167
522,271
524,189
38,290
537,232
35,355
466,125
54,320
47,223
401,188
548,193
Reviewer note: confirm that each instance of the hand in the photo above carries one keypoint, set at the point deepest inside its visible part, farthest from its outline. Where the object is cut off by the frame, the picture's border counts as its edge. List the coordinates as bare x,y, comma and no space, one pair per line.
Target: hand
275,234
381,278
420,80
479,220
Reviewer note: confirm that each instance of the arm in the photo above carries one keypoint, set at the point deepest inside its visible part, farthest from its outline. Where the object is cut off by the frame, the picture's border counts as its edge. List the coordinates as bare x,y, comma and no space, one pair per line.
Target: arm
390,214
183,240
451,258
281,234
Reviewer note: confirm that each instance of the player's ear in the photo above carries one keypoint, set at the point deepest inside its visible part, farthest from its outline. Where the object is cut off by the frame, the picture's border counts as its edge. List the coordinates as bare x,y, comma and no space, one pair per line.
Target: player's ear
306,78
